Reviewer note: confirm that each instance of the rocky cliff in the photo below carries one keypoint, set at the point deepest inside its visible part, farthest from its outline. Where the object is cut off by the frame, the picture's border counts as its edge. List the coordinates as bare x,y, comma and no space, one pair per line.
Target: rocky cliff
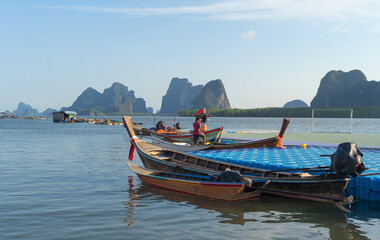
25,110
48,112
182,95
346,89
212,96
179,96
114,100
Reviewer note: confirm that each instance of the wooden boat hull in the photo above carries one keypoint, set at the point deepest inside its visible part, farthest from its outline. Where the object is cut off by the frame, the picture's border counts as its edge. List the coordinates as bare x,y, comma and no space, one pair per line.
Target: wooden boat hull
187,138
323,187
139,130
237,144
216,190
316,188
269,142
180,146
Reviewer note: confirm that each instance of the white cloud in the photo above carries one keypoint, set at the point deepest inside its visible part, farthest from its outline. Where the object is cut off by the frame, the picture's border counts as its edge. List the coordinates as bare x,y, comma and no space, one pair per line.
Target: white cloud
328,10
339,15
250,35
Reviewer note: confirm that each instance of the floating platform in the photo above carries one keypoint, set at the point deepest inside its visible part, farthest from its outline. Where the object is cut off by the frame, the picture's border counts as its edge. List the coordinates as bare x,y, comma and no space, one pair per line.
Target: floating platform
361,187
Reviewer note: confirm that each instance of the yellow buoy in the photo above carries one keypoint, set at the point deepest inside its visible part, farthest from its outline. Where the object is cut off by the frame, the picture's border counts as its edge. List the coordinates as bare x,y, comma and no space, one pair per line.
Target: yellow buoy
304,145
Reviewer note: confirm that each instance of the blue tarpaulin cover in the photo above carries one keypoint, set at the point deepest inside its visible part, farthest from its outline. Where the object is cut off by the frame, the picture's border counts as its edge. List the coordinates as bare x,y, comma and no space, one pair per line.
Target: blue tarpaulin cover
366,187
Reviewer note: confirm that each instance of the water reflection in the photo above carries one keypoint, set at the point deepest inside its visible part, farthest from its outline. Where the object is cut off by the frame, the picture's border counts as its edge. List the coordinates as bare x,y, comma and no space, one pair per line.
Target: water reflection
266,210
365,210
131,205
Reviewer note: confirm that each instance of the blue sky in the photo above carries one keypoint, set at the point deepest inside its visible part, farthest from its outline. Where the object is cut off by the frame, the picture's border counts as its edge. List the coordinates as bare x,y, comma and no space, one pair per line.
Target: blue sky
266,52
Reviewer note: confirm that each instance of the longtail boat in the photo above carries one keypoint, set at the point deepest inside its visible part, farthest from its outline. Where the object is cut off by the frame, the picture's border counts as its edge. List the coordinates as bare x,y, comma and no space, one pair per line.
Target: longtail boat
140,130
325,187
233,143
206,186
171,134
210,135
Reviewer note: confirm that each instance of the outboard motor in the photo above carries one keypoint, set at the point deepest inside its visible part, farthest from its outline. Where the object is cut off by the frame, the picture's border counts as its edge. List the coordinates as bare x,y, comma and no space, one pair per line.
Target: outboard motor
160,125
347,160
178,126
234,177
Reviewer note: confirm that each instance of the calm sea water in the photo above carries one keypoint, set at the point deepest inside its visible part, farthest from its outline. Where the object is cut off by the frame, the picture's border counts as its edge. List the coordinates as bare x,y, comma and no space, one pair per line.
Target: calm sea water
70,181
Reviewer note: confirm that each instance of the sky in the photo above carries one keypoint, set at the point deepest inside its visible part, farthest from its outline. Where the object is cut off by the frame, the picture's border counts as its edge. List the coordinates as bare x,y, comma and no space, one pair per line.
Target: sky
266,52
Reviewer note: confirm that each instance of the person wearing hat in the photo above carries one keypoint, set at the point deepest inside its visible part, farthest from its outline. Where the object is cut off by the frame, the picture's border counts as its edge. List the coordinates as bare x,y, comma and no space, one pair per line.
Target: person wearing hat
197,129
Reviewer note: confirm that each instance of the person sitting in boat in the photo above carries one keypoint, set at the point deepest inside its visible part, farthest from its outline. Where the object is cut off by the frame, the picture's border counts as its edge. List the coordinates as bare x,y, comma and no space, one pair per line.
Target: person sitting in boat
197,129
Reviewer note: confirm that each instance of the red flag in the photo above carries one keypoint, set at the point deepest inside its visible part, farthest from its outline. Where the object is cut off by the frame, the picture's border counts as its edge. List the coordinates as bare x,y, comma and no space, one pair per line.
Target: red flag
132,149
201,111
131,152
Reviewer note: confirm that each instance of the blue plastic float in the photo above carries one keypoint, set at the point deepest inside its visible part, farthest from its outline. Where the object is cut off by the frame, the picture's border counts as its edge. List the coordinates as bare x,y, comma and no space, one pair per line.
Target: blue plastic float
362,187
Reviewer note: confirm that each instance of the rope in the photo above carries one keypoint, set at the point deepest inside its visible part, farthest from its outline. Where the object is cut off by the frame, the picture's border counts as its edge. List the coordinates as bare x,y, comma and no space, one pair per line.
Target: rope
369,174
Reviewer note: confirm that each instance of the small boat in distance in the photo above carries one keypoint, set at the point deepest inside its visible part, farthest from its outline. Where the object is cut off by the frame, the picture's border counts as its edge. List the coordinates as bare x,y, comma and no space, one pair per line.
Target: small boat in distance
235,189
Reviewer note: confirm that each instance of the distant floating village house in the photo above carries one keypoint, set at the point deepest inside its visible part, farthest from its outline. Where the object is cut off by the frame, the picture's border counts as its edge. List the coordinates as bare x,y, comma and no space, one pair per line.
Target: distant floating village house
64,116
7,115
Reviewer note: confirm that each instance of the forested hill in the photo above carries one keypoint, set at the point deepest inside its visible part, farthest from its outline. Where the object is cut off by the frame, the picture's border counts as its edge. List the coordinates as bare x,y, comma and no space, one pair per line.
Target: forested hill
212,96
346,89
114,100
